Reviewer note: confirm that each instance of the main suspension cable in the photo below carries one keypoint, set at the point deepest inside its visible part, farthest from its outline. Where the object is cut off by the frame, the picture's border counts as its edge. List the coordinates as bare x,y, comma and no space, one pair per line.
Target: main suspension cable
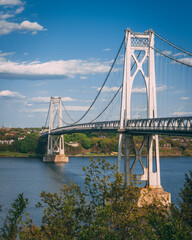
68,113
62,120
108,104
165,55
47,115
101,86
173,45
115,93
56,113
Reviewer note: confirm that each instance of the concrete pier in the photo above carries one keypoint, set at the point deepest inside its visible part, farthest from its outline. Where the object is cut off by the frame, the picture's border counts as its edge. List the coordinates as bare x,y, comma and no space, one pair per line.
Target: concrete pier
60,158
148,195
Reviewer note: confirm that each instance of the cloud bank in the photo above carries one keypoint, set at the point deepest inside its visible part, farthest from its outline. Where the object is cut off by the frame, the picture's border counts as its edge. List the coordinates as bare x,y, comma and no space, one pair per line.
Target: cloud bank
10,2
8,27
51,69
11,9
10,94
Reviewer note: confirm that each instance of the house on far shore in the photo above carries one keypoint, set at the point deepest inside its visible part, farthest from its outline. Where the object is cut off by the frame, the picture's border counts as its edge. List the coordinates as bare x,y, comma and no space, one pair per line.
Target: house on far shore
9,142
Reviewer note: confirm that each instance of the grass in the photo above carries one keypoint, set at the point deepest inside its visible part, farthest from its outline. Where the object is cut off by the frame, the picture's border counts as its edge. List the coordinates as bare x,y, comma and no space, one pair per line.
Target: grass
16,154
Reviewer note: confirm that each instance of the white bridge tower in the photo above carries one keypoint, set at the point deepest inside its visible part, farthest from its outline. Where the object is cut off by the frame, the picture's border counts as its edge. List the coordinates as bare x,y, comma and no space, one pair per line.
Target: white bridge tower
55,146
135,42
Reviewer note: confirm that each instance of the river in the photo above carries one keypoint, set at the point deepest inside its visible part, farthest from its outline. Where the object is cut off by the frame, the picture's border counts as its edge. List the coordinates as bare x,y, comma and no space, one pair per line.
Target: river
30,176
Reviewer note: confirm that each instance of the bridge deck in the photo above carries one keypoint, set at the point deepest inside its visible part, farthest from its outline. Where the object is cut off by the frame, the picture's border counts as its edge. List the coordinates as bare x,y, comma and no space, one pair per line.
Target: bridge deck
181,126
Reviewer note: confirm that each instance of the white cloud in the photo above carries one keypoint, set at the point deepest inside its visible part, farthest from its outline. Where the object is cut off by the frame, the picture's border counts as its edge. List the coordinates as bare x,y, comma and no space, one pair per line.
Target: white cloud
143,90
134,90
37,110
8,27
186,61
106,49
10,2
103,100
185,98
6,54
68,108
108,89
138,90
19,10
68,99
120,61
76,108
26,25
164,52
29,104
40,99
179,54
10,94
57,69
182,113
161,88
47,99
83,77
6,15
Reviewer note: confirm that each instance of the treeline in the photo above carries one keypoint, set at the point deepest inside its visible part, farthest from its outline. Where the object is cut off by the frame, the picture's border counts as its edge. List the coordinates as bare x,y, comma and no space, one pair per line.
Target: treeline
91,143
99,143
107,143
27,145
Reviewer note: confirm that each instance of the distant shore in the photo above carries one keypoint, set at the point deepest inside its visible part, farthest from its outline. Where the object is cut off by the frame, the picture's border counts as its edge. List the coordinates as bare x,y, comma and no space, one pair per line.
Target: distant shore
33,155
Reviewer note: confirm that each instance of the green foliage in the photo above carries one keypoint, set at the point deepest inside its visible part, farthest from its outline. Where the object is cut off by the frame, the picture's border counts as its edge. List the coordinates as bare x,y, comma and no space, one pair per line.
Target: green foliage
104,209
29,144
10,228
186,199
86,143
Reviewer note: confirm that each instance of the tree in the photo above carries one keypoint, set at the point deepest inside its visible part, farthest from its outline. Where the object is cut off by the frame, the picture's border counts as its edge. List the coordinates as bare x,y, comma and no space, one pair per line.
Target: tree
29,143
186,199
86,143
10,228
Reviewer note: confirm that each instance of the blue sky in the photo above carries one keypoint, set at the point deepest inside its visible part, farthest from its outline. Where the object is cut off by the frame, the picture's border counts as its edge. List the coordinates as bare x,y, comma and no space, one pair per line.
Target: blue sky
65,48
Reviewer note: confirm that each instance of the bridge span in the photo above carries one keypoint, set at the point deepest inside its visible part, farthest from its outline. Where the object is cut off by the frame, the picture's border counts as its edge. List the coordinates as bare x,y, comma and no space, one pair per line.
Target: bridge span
142,57
181,126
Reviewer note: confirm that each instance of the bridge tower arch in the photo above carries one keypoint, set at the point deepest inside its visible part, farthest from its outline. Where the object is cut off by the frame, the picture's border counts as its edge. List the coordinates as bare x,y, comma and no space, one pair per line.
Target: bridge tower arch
55,144
135,42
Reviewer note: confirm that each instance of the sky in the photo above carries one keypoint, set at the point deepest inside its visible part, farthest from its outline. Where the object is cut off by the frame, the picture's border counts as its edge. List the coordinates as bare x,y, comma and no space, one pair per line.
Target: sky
65,48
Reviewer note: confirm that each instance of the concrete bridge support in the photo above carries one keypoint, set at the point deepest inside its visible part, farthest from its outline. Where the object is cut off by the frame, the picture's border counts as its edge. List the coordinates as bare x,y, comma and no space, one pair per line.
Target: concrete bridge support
151,170
55,146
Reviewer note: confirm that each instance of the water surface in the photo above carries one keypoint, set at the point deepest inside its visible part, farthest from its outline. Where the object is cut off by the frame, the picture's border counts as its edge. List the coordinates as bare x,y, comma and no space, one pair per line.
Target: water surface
31,176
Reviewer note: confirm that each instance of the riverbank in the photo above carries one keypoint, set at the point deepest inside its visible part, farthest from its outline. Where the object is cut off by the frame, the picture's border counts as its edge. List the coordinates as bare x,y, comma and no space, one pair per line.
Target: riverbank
114,154
16,154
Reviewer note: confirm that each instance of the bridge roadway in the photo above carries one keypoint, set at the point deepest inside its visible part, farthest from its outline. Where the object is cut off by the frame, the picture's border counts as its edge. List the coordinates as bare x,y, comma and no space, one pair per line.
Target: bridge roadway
181,126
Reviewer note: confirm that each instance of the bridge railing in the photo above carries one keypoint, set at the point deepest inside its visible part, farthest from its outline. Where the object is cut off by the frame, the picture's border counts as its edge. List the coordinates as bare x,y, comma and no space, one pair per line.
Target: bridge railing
168,124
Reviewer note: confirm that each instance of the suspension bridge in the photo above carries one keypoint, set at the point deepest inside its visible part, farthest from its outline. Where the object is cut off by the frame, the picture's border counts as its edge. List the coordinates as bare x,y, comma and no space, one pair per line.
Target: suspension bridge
146,92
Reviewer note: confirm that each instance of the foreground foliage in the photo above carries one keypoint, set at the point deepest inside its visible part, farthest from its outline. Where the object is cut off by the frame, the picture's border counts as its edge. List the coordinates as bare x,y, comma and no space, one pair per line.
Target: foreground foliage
104,209
186,203
10,227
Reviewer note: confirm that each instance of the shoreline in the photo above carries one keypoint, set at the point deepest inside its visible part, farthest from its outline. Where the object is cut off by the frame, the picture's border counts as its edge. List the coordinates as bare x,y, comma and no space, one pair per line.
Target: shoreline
33,155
